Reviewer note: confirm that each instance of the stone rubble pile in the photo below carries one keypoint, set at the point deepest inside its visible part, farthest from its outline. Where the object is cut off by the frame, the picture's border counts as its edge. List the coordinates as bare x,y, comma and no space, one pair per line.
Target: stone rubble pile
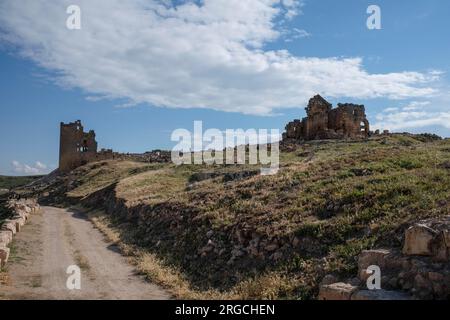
420,271
22,210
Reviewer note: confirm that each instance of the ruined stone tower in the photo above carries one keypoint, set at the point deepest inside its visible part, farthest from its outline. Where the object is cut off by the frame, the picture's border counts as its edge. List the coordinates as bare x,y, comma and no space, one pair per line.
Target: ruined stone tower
76,146
323,122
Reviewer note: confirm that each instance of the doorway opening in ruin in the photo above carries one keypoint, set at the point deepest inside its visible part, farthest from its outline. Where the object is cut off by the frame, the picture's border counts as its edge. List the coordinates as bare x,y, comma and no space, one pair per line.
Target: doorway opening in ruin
363,126
84,148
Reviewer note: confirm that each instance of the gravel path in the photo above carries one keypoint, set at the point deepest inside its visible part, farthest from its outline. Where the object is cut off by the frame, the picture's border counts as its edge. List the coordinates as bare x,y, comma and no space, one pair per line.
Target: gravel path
55,239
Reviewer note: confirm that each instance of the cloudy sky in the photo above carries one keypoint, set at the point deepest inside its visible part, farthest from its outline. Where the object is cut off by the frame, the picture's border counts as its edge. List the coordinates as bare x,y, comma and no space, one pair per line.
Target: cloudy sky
139,69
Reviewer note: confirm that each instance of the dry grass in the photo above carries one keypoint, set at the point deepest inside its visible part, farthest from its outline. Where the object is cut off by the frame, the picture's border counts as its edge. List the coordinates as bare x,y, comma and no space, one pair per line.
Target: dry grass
146,263
98,175
151,187
270,285
338,197
81,261
4,278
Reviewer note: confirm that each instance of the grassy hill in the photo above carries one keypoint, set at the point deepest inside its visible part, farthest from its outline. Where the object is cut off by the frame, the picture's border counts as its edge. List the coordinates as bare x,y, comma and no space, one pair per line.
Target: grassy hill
222,231
10,182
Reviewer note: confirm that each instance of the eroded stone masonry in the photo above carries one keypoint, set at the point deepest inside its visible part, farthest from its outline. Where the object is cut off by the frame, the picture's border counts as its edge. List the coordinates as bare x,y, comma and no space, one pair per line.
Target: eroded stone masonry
78,148
323,122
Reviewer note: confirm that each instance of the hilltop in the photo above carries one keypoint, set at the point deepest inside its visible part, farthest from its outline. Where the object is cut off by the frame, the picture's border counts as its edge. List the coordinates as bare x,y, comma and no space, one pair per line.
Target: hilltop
225,231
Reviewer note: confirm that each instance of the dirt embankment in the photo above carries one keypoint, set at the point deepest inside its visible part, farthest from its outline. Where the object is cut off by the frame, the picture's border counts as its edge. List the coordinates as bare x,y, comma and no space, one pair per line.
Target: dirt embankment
329,202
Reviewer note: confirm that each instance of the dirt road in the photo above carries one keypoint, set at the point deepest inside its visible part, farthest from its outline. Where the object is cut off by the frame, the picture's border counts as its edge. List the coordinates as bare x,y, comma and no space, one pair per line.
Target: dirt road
55,239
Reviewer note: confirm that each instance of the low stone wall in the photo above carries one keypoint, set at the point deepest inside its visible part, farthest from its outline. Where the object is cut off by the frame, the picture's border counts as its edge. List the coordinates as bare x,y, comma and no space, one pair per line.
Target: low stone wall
22,209
420,271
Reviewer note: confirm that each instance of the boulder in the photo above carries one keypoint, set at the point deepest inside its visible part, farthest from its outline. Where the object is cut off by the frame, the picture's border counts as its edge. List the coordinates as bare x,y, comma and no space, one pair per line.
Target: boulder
328,279
371,257
418,239
16,223
446,235
337,291
380,295
6,237
9,226
22,214
4,254
22,207
19,220
439,248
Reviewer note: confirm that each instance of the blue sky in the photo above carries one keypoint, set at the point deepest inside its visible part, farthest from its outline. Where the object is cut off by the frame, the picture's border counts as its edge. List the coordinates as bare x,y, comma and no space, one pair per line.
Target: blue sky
136,72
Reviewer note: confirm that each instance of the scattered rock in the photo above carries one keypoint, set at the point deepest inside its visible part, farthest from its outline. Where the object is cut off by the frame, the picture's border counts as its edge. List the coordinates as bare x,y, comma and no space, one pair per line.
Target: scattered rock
446,234
21,210
371,257
6,237
9,226
429,238
232,176
355,281
4,254
337,291
418,240
328,279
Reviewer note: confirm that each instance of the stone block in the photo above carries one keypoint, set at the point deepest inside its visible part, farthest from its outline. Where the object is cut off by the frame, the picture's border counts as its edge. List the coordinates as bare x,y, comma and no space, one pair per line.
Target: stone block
6,237
371,257
4,254
9,226
418,240
337,291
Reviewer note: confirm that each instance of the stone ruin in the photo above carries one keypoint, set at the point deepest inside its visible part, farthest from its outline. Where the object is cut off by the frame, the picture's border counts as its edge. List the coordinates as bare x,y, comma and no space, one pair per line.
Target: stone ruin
78,148
323,122
421,270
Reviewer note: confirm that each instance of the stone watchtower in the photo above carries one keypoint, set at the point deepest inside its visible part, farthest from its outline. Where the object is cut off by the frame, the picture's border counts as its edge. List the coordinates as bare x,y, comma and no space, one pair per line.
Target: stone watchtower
76,146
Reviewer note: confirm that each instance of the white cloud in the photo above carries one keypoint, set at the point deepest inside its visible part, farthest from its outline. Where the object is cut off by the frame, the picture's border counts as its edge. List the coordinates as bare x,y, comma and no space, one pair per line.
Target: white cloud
413,120
416,114
390,109
21,168
292,7
414,105
296,34
202,54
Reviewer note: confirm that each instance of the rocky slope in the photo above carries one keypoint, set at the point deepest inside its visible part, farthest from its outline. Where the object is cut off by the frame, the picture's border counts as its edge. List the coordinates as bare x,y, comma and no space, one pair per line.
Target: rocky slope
224,225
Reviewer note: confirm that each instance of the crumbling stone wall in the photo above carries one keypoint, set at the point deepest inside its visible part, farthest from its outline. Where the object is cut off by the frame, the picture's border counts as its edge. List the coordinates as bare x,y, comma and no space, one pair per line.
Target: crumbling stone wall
420,271
78,148
324,122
